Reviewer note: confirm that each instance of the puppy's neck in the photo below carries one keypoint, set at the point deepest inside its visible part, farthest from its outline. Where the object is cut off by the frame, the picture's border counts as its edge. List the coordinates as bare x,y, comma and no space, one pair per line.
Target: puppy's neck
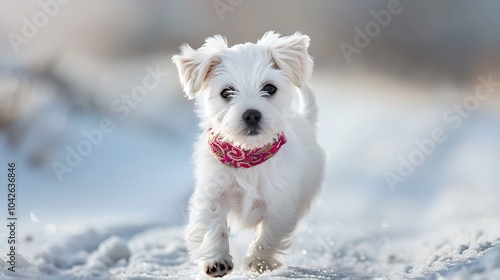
237,157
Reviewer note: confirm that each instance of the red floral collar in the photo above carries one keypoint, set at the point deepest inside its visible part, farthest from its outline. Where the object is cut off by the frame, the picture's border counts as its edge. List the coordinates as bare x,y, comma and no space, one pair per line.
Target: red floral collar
237,157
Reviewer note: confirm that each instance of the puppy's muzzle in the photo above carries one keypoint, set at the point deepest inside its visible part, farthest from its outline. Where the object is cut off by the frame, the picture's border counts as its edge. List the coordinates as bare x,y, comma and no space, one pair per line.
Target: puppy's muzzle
252,118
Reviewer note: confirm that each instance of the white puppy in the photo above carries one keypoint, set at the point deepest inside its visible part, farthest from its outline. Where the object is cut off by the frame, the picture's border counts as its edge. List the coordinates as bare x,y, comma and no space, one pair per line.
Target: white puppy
258,164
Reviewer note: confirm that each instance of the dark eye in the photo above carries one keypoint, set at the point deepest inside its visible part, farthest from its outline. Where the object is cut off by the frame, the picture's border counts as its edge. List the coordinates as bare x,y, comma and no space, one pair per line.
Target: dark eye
227,92
270,89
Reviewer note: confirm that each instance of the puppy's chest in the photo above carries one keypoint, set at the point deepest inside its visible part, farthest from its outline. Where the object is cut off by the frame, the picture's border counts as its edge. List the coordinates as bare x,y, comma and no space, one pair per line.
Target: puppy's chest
250,192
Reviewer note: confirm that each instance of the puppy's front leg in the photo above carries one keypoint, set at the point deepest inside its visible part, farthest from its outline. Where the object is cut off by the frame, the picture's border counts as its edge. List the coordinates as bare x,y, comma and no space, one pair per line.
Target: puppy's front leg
272,238
207,234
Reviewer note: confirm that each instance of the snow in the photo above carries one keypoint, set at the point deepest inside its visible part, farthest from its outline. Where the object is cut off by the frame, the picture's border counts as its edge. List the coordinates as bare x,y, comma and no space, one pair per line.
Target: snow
126,222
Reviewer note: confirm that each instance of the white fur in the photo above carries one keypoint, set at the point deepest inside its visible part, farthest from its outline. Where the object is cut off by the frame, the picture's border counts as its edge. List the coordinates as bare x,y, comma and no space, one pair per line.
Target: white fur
270,197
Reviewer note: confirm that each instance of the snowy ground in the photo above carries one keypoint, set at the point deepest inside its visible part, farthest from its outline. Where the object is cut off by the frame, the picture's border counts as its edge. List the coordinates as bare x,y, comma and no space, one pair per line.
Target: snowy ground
443,221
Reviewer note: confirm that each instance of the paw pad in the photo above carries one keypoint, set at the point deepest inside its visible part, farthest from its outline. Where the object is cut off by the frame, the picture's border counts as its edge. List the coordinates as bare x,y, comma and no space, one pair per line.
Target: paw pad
219,268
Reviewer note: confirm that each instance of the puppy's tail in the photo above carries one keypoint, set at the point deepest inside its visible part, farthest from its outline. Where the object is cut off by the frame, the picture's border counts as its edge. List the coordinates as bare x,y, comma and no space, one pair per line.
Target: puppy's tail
308,104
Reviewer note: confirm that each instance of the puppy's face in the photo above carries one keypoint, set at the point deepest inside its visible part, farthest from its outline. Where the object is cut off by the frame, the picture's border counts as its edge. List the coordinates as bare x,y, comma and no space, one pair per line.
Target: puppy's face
247,98
246,90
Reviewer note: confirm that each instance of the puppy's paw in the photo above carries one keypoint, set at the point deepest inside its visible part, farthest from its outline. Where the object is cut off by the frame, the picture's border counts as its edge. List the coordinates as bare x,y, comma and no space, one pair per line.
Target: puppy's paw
261,264
218,267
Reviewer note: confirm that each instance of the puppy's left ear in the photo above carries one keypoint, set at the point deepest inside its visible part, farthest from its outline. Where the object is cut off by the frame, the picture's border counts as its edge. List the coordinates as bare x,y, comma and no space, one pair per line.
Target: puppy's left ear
196,66
290,55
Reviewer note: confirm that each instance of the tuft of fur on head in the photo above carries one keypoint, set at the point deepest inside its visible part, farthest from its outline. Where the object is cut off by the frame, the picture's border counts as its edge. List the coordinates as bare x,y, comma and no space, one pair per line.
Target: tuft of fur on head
245,68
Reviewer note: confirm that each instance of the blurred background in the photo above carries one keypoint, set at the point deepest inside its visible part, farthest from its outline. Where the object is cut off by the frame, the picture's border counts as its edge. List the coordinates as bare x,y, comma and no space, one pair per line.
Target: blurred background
66,66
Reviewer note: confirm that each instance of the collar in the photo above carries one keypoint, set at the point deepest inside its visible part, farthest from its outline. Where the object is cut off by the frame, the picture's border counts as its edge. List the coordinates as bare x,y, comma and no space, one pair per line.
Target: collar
237,157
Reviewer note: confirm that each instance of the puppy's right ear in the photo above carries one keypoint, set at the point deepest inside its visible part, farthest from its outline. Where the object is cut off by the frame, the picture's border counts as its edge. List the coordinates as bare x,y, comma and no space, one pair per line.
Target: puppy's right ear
196,66
290,55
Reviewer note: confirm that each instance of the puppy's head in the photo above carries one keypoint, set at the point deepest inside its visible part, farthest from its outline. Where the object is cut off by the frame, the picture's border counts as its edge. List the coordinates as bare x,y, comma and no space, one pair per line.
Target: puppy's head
245,92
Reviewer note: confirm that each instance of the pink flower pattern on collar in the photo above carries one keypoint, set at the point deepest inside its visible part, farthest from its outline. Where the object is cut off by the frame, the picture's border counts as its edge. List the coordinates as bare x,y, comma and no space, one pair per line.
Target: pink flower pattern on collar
237,157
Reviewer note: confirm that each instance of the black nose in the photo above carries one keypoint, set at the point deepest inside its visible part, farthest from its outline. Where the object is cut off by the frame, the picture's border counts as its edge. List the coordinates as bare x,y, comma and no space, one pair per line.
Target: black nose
252,117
